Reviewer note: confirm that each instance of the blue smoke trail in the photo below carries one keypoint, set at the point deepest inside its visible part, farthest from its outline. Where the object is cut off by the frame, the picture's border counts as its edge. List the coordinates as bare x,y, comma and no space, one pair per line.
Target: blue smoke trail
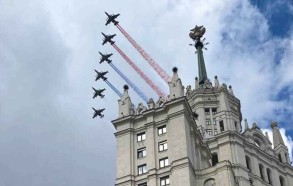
137,90
114,89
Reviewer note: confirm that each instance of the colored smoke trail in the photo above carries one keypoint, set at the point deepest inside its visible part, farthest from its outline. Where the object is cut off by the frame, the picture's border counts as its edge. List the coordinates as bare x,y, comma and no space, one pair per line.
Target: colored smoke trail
139,71
135,88
146,56
114,89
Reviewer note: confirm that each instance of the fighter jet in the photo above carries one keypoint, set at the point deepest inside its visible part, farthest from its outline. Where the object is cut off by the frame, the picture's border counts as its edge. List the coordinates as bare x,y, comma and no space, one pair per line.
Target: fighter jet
98,92
101,75
111,18
105,57
108,38
98,112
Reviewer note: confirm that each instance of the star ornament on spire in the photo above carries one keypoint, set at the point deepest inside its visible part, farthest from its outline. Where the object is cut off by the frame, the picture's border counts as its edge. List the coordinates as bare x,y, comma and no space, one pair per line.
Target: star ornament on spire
197,32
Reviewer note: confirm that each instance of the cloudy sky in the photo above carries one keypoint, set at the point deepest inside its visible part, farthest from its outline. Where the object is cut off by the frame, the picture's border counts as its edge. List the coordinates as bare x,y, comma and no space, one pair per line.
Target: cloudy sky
48,51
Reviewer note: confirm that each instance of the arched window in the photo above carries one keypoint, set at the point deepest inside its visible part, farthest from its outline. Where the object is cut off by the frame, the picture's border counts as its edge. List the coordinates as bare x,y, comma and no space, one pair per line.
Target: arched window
261,171
282,181
251,181
215,159
269,173
248,163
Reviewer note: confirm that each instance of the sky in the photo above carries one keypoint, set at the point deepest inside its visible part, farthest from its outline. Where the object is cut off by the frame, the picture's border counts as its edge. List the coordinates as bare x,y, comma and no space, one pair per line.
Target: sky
49,50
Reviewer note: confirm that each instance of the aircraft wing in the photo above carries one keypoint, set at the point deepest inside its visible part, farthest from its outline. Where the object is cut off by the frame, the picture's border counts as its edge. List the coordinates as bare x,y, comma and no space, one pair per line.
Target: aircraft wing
108,22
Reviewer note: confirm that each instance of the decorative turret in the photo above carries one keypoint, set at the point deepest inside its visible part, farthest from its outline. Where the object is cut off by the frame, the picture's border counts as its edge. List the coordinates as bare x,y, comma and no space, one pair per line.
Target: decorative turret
125,105
196,83
216,82
246,124
231,90
175,86
277,138
195,34
279,145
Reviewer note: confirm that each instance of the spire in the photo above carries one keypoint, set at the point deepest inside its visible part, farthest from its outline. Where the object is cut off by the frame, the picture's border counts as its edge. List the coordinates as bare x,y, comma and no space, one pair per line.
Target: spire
125,105
277,138
196,33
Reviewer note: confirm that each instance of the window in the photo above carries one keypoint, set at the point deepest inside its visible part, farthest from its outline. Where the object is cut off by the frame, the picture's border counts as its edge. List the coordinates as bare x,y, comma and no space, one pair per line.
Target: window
164,162
209,131
257,143
208,121
269,176
214,159
235,123
222,126
214,121
162,130
165,181
142,184
141,169
247,159
215,132
207,111
214,111
163,146
280,157
282,181
141,152
140,136
260,166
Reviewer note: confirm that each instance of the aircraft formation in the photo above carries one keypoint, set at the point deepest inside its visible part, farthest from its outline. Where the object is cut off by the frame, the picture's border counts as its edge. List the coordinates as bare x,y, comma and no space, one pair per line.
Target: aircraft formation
104,57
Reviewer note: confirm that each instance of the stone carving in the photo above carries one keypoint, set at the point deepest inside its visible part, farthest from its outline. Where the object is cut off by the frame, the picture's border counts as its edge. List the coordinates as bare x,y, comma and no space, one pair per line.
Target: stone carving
160,102
188,90
140,108
151,103
208,84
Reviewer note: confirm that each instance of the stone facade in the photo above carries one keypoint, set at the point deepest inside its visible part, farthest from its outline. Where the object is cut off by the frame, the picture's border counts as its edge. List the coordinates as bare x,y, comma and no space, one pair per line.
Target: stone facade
195,138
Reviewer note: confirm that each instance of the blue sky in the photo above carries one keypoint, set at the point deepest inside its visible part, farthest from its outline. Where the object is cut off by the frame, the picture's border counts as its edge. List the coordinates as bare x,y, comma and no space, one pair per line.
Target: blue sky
48,50
279,16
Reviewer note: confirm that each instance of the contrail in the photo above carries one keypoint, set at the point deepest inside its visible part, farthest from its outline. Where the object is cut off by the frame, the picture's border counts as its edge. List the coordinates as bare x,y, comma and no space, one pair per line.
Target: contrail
140,72
114,89
132,85
162,73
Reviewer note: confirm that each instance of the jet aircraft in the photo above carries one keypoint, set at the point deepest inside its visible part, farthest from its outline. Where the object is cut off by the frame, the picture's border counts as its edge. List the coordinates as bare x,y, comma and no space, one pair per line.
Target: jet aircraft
101,75
105,57
98,112
98,92
108,38
111,18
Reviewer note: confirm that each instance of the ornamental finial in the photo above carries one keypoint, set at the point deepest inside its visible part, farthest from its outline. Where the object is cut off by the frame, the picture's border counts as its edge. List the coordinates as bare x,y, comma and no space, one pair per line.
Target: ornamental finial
197,32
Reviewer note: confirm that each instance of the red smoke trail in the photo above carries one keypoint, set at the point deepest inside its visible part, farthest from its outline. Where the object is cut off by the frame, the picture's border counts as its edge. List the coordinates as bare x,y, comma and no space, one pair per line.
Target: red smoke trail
139,71
146,56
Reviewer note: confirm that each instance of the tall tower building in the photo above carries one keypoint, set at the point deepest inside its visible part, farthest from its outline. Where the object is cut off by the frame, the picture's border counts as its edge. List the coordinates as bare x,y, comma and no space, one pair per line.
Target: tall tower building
195,138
